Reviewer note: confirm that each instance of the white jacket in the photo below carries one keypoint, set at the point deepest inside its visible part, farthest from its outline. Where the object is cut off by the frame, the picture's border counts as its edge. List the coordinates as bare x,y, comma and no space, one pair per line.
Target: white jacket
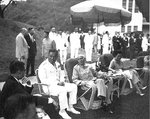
21,46
48,73
74,40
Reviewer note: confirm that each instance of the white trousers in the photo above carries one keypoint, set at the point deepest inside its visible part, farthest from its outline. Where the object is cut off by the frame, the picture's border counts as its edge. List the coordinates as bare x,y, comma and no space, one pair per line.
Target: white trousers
88,54
74,52
100,85
61,92
63,55
133,75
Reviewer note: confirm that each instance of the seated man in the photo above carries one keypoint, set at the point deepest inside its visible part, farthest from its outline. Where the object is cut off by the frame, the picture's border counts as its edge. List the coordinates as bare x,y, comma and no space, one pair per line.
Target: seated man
49,74
20,106
83,76
116,66
13,86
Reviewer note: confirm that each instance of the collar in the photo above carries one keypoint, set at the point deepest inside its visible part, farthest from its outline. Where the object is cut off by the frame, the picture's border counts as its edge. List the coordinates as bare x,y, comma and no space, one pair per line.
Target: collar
56,64
31,37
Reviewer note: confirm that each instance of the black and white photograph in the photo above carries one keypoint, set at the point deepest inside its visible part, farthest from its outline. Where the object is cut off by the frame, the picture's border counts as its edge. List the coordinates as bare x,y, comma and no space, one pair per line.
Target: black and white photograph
74,59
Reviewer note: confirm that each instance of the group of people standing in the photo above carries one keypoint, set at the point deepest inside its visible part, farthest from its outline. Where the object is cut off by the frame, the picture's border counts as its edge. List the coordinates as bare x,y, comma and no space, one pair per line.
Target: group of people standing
71,43
26,49
130,44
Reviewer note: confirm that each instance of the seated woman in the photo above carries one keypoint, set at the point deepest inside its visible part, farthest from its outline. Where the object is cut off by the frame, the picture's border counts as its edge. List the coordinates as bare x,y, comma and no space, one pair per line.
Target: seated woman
146,70
116,66
83,76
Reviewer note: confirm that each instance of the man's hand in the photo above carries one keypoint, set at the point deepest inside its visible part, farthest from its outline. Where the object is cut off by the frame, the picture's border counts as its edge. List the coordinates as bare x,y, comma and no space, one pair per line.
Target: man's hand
94,79
23,57
26,81
114,71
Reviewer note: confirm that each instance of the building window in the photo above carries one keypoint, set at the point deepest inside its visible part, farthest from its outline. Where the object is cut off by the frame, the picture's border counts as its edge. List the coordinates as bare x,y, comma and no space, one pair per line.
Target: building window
135,28
130,5
129,29
136,9
124,4
122,29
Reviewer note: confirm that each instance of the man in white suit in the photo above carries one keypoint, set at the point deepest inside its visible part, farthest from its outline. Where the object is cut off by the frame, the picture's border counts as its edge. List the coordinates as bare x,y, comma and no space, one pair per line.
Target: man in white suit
89,37
49,73
53,34
75,43
22,46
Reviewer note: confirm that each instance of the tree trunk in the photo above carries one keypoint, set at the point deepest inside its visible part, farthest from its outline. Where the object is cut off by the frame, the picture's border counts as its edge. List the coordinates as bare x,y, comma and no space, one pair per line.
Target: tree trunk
3,9
1,12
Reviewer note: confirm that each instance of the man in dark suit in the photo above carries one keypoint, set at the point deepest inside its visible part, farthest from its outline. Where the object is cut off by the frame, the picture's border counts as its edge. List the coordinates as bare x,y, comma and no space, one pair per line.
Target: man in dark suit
32,51
117,40
13,86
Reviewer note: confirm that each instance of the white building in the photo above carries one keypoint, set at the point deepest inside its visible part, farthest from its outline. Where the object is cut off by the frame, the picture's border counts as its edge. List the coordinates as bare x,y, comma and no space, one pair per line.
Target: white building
135,24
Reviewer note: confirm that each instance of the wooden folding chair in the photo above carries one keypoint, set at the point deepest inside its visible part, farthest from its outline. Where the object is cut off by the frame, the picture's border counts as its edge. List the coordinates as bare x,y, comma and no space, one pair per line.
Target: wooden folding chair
84,102
39,87
143,72
116,87
105,60
42,88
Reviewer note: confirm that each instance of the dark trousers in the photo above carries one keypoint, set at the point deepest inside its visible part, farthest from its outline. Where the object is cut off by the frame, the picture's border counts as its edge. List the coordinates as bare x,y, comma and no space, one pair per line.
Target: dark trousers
82,45
132,55
50,109
30,62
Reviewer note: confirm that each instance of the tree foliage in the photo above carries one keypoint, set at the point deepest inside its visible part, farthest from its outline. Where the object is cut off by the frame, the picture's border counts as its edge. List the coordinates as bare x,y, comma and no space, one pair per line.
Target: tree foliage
3,6
43,13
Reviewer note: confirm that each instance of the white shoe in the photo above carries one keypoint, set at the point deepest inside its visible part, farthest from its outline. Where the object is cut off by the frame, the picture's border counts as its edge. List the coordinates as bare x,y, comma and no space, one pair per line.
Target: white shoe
73,110
64,115
141,94
143,88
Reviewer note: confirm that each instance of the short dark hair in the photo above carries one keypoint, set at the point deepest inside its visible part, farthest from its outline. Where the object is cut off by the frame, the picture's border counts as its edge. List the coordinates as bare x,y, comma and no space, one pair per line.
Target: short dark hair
52,27
55,51
16,66
30,28
46,31
17,104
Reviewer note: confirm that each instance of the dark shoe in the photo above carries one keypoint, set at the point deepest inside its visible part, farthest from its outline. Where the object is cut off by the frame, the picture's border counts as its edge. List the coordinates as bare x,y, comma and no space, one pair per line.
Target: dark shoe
104,106
107,108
